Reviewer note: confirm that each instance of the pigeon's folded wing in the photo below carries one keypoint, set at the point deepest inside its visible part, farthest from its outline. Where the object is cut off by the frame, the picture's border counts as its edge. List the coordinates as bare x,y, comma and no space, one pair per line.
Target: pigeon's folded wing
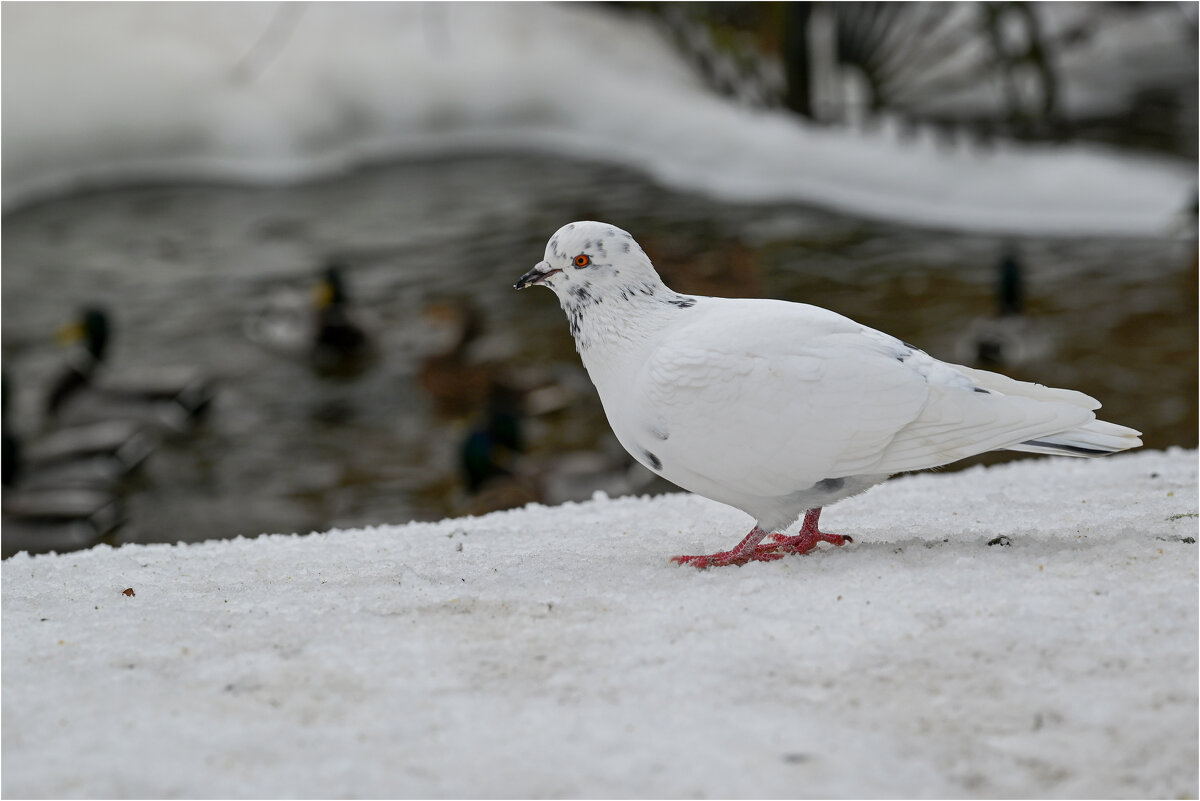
768,398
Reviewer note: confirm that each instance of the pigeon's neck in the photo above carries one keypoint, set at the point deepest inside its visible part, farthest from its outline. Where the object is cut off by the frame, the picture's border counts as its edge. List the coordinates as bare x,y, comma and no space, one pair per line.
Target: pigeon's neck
618,323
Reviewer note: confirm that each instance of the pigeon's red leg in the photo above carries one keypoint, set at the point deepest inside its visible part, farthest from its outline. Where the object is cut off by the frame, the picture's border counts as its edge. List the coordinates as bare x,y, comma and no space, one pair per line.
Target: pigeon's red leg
808,537
747,550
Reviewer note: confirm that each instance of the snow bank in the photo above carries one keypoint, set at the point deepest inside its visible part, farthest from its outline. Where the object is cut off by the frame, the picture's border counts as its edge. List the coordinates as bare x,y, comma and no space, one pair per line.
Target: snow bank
95,94
552,652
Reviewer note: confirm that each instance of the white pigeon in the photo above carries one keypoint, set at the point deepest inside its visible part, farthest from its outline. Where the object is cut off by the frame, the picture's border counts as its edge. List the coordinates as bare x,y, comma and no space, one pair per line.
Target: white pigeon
778,408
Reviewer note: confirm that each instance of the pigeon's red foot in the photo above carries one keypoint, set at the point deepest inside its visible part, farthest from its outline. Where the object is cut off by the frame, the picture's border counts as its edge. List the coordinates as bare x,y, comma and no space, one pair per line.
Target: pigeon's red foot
803,543
762,553
808,537
748,550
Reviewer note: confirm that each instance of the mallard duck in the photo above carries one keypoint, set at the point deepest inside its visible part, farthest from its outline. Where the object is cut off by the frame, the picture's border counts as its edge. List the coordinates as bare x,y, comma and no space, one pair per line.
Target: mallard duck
319,326
39,521
1009,337
452,373
464,366
60,493
498,474
85,456
91,329
492,446
341,345
91,456
171,397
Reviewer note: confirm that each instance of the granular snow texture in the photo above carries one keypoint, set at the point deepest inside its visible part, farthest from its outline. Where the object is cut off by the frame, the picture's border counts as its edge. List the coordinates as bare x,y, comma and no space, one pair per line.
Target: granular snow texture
551,652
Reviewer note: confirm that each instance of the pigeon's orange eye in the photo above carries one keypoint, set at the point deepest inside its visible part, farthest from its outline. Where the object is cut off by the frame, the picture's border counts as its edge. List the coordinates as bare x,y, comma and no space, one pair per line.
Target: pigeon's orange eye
583,260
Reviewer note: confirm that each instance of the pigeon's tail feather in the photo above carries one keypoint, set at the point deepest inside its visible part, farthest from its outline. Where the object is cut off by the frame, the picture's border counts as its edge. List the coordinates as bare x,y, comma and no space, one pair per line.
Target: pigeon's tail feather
1027,389
1096,438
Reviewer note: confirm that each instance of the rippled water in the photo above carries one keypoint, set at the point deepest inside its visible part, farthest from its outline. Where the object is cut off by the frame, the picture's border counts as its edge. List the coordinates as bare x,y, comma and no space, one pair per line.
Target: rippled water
183,267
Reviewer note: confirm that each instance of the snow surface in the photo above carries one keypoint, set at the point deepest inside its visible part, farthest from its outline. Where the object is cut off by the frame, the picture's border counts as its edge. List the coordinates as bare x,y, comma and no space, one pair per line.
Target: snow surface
551,652
263,92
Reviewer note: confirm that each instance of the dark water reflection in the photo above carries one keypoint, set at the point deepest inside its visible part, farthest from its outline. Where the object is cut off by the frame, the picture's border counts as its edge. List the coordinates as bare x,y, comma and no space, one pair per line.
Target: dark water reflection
284,450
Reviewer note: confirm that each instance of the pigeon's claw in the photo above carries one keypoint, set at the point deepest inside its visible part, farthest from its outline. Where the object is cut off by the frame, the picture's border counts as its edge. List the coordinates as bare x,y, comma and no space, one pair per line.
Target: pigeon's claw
833,539
760,553
808,537
748,550
803,543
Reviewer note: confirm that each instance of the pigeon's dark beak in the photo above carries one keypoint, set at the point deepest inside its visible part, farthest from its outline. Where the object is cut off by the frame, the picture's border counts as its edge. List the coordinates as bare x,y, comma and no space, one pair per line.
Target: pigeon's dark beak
540,272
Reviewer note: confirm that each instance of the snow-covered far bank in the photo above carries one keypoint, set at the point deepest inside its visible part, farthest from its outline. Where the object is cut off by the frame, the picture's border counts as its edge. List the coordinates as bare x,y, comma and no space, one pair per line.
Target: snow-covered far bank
98,94
555,652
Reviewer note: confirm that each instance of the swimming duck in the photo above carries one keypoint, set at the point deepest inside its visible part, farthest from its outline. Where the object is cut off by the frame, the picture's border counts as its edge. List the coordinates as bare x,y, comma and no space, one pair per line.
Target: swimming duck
465,366
497,473
494,472
319,326
170,397
1008,337
39,521
91,456
452,373
341,345
92,330
60,493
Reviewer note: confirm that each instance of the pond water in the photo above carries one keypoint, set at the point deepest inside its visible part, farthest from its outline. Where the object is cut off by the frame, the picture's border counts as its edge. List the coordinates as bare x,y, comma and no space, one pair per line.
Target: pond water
183,268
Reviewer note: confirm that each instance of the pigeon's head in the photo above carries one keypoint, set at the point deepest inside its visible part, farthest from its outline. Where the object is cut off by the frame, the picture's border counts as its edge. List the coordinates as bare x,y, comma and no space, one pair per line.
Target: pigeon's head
591,258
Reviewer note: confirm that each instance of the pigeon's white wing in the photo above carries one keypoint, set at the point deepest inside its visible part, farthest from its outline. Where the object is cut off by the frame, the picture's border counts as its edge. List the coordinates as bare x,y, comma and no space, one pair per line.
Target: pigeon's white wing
767,398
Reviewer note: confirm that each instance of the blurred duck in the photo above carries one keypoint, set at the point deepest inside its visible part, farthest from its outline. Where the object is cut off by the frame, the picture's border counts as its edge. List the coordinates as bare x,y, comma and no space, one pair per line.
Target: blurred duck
59,520
1009,337
320,327
171,398
92,456
92,331
452,373
491,463
60,493
340,346
464,367
498,474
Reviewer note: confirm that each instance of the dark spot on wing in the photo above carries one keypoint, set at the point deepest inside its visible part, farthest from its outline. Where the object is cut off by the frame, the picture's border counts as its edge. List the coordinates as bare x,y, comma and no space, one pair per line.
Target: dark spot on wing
984,391
625,247
660,433
683,302
655,462
830,484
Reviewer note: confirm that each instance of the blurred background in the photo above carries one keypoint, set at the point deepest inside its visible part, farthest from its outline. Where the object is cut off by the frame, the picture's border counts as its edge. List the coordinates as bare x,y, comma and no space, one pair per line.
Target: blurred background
258,258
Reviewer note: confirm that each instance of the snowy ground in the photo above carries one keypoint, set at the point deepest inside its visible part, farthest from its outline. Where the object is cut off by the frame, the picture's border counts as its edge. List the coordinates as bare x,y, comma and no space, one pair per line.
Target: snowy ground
264,92
555,652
